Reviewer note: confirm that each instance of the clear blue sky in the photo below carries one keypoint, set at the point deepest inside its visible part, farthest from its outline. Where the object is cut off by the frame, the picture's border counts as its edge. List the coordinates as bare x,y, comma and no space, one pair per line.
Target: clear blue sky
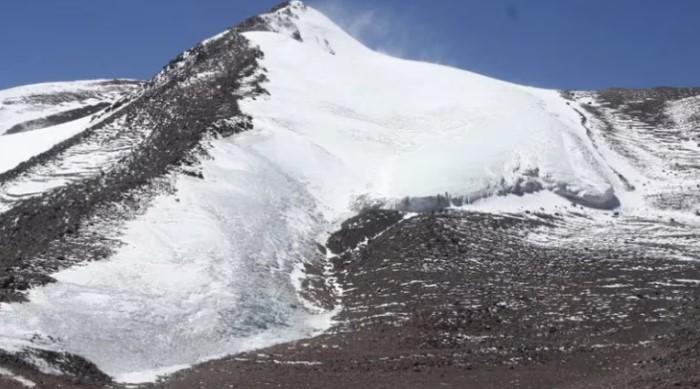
583,44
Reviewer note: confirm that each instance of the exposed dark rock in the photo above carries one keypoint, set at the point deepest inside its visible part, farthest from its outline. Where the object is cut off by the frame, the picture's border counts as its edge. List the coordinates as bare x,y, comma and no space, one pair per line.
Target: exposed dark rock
362,227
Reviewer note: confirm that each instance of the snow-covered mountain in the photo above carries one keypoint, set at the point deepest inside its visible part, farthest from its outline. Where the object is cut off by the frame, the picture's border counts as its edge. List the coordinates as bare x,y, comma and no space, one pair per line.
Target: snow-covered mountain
59,110
34,107
146,228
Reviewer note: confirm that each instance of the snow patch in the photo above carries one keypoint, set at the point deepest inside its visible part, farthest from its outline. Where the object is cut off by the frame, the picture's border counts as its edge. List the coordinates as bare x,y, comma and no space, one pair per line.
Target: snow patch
23,381
17,148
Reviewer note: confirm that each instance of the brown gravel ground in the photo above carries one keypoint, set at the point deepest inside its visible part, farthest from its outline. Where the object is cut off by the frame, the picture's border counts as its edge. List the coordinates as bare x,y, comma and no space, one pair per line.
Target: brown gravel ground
465,300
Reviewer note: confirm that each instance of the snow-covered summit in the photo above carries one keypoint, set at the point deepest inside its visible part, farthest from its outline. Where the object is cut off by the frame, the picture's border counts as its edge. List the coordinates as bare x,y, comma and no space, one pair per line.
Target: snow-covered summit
366,125
304,24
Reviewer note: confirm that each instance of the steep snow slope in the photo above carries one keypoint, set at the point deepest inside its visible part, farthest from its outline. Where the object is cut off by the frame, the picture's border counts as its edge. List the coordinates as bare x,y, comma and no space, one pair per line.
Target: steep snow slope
17,148
352,122
213,268
36,117
22,107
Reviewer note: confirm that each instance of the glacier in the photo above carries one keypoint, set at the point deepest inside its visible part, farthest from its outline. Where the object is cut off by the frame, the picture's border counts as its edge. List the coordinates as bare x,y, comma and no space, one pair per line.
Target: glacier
351,122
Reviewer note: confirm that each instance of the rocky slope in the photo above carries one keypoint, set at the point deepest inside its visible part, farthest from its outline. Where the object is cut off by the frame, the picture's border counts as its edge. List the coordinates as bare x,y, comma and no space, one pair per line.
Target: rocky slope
405,232
118,159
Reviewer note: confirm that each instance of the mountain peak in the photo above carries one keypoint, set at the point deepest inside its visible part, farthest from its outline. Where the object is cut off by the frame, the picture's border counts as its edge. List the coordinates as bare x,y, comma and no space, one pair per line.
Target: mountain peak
305,25
293,4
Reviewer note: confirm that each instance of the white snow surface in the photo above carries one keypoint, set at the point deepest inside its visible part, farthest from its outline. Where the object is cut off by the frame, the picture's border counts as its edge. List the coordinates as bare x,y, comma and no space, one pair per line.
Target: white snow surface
19,104
203,274
212,270
17,148
31,102
362,123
